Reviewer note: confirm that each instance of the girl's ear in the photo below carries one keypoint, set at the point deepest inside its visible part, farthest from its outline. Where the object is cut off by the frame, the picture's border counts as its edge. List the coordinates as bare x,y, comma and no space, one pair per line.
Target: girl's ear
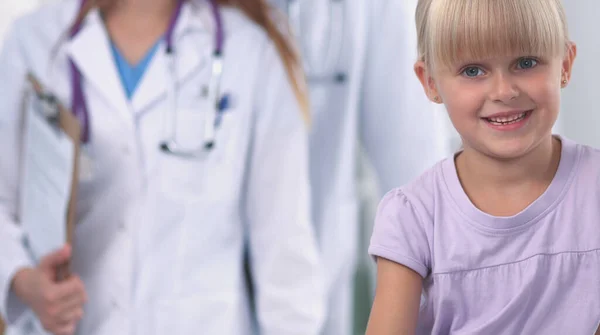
567,64
427,81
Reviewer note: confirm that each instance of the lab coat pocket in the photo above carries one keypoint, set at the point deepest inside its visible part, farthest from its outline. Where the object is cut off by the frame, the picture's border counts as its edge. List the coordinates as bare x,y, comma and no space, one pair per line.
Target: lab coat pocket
187,178
182,171
209,313
196,118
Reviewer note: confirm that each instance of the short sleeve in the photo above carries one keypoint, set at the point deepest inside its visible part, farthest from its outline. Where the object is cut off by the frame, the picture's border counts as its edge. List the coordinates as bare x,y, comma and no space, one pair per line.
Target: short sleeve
399,234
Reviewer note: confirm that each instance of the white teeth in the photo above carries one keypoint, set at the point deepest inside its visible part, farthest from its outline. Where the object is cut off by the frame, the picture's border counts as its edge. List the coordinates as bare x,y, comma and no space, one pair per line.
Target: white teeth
507,120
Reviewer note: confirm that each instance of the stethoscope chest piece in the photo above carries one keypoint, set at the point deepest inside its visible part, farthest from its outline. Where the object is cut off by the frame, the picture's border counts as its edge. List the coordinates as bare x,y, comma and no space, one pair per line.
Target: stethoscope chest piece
211,93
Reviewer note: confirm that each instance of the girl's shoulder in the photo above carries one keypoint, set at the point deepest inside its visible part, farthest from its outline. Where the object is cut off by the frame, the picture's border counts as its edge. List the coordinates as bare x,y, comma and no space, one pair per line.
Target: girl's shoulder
586,163
424,193
431,183
404,227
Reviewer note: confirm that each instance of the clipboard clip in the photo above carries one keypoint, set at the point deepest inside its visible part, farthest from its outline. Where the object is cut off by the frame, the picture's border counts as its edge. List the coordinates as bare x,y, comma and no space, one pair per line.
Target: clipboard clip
48,104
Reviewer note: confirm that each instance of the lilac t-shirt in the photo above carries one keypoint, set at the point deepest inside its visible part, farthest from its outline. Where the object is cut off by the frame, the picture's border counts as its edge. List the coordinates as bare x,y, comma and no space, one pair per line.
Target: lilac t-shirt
537,272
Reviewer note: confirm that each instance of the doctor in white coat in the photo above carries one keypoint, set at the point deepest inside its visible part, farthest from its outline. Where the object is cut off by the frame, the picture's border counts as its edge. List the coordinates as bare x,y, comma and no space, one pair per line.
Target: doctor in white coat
359,57
160,238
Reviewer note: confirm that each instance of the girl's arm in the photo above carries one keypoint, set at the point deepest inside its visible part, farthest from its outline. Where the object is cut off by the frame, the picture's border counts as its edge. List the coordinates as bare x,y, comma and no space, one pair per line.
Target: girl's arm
401,244
397,297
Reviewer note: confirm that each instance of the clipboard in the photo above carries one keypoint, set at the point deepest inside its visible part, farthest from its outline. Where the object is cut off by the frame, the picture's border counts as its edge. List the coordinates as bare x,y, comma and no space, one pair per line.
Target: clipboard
57,114
66,122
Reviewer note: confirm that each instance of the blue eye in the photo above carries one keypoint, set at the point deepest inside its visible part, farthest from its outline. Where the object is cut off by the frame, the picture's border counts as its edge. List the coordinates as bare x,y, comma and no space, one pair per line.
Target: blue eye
526,63
472,71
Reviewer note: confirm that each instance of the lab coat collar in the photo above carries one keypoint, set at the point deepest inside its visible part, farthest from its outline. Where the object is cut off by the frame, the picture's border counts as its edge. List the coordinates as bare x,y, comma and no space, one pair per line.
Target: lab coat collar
90,50
193,37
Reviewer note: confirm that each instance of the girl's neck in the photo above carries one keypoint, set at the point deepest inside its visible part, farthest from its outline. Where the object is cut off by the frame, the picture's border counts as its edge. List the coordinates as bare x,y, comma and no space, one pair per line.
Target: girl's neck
134,26
505,187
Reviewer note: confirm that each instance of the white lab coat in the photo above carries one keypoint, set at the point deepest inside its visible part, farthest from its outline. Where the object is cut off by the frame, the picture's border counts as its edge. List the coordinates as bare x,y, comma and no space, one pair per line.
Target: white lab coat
381,106
9,10
160,239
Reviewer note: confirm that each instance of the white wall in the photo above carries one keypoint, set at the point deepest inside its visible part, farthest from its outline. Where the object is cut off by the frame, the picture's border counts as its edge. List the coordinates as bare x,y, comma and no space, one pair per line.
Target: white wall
580,115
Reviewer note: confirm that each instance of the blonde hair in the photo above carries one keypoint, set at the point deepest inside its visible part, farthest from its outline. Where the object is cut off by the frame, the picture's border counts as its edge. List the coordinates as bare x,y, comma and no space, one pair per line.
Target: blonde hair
451,31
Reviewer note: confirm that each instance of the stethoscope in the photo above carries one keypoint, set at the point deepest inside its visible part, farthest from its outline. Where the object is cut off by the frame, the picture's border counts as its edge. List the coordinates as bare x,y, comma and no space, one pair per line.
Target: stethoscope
329,66
169,144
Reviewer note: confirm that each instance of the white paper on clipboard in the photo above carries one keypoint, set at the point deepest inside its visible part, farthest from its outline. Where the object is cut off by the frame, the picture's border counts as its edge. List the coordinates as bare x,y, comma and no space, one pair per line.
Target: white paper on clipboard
46,183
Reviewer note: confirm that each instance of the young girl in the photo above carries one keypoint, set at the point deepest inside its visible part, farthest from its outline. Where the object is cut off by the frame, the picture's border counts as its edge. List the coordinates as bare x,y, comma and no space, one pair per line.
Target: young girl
504,237
163,213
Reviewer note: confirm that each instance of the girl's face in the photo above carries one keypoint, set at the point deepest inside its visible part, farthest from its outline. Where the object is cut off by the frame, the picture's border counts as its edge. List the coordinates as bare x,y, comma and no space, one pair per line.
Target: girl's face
503,106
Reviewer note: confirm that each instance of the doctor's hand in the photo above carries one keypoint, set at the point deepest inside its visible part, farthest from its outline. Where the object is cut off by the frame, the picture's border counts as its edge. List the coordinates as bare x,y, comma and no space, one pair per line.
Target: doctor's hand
58,305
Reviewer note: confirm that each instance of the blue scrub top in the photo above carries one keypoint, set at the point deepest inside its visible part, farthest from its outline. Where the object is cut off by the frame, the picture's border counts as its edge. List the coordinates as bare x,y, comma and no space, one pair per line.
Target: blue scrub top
131,75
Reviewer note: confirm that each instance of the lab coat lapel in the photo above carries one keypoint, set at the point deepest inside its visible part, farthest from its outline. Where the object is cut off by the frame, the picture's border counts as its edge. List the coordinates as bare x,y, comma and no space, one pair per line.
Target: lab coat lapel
192,46
91,52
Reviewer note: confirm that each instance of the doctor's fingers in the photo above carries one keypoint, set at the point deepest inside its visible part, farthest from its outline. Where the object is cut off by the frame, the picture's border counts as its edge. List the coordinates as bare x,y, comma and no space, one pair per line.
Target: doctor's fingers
71,306
70,316
55,322
68,329
70,290
65,319
59,318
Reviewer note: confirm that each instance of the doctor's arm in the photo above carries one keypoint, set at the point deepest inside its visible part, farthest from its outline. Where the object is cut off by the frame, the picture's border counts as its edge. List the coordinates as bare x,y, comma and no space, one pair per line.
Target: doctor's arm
23,284
13,254
284,261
